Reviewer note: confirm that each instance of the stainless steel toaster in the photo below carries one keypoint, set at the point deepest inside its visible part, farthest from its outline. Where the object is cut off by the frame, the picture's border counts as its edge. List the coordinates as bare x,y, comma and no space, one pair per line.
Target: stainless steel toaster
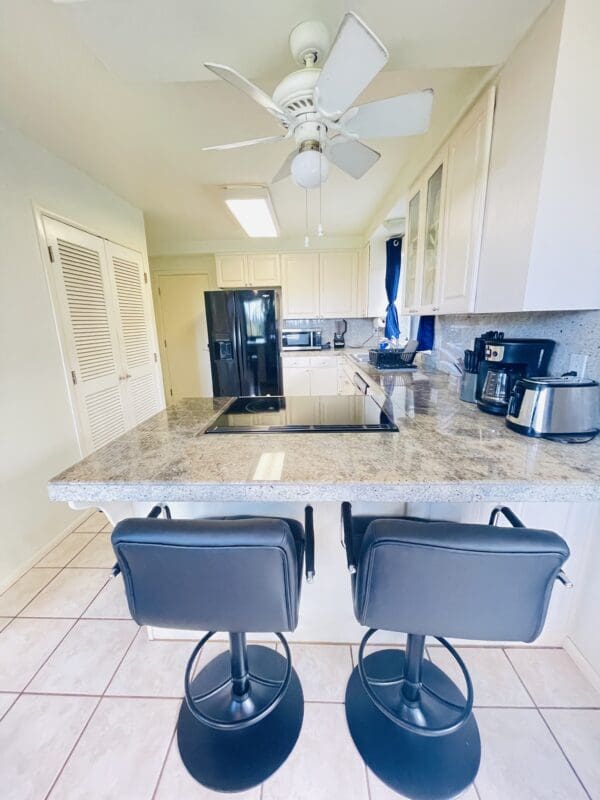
567,409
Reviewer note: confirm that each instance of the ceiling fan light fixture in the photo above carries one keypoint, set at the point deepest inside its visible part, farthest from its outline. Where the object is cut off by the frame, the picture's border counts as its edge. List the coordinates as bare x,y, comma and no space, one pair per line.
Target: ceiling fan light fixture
309,167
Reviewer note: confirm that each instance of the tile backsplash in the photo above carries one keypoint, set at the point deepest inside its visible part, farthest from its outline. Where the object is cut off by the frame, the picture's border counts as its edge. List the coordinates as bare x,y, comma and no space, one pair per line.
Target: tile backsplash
575,332
360,332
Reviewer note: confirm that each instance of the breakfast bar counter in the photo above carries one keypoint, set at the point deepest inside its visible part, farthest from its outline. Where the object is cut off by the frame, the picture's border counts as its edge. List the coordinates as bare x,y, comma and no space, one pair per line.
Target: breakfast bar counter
445,451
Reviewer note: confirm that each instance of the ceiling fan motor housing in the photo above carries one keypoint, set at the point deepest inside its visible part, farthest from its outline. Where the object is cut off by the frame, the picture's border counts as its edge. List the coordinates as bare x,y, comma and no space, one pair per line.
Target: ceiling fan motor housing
295,92
310,42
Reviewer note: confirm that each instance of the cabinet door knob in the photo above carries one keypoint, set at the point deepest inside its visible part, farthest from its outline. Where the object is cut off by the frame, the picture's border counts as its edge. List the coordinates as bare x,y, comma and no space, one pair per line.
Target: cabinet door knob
435,308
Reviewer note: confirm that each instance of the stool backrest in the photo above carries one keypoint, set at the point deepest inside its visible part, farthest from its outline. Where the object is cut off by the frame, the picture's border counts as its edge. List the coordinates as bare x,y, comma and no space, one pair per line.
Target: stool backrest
454,579
237,575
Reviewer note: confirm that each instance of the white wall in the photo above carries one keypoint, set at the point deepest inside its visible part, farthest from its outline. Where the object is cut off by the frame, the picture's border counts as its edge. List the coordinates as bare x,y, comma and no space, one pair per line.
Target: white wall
37,431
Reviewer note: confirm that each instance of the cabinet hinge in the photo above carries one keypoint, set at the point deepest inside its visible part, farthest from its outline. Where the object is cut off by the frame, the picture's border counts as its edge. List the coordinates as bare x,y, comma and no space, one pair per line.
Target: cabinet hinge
171,391
145,277
155,358
159,292
74,377
51,254
165,341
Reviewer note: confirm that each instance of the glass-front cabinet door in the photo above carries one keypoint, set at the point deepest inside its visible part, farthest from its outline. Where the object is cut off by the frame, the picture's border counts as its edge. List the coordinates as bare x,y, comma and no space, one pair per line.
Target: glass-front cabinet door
412,254
432,239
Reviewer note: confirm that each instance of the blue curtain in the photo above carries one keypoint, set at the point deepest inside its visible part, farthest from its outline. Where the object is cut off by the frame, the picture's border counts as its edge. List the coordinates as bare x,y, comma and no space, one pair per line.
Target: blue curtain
393,248
426,332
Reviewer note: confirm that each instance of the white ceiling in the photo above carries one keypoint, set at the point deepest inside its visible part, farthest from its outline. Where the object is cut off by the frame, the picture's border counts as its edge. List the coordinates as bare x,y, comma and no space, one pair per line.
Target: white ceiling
117,88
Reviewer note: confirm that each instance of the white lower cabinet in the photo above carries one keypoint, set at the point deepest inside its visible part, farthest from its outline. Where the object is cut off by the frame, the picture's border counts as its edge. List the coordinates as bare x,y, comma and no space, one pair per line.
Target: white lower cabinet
324,380
296,380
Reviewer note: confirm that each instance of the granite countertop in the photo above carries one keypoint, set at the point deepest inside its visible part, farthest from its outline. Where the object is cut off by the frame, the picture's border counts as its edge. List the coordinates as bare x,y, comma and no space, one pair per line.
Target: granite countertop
445,450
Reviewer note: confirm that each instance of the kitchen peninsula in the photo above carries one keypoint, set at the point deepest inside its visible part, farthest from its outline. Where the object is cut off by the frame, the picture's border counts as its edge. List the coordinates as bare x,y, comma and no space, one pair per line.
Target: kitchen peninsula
444,451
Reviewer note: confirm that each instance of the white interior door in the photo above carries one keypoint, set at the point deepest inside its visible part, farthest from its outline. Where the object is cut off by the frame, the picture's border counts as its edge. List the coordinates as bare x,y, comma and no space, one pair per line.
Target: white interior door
133,312
82,291
183,318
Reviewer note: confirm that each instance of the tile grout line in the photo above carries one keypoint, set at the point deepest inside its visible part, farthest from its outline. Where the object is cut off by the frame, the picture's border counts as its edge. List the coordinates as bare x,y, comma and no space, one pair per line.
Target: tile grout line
520,679
85,727
164,763
547,726
567,759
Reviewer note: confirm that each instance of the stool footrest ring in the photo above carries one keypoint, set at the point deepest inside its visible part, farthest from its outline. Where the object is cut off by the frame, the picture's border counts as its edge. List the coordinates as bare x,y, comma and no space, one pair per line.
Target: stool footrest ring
411,708
238,712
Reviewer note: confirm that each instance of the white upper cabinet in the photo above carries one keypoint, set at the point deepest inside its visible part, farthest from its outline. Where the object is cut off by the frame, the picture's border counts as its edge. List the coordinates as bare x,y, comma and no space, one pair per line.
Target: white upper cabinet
264,269
300,285
240,270
466,180
232,271
413,253
339,285
445,219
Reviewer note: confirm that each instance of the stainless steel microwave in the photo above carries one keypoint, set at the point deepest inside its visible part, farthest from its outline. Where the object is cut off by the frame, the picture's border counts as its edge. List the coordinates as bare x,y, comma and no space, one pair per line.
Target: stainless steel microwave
301,339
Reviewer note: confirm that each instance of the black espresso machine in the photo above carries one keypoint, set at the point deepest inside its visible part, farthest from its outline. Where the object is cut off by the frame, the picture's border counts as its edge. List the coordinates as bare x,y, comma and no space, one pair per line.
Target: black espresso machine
502,362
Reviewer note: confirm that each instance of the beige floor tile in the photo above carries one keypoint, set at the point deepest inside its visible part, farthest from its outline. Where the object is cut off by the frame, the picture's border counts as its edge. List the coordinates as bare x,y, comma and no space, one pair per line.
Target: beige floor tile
323,670
553,678
35,739
495,683
24,646
98,553
152,669
379,791
177,783
93,524
520,759
66,550
578,733
15,598
6,701
69,594
324,764
111,602
121,752
4,622
86,659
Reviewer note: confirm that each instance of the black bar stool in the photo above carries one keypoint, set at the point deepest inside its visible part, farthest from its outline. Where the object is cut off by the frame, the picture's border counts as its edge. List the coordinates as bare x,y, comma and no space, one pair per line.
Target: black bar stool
243,711
411,724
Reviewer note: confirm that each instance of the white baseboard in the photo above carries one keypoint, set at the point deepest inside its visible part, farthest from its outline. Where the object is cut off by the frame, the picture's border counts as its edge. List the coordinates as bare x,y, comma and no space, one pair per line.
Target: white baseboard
31,562
584,665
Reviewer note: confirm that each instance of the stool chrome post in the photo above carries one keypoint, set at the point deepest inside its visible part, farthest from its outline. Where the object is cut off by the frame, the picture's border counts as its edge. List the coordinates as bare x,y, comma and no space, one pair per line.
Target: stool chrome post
239,664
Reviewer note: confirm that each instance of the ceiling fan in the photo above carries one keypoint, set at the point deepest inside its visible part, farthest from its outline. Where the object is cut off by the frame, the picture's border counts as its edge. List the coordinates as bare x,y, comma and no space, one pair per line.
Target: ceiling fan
314,104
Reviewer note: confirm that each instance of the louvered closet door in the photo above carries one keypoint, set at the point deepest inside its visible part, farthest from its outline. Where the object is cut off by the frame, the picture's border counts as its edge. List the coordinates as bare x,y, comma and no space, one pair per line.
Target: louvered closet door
135,320
82,290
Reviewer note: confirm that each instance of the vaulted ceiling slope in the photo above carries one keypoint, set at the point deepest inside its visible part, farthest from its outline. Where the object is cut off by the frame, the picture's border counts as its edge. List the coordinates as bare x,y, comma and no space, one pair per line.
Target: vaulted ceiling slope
118,89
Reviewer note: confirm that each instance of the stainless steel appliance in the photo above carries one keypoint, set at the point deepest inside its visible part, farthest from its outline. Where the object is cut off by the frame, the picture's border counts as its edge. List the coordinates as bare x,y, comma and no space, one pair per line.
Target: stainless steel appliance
243,340
567,409
502,362
341,326
326,414
301,339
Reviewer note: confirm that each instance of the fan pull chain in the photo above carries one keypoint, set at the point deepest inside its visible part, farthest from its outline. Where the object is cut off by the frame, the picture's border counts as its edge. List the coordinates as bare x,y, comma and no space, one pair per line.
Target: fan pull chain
320,225
306,236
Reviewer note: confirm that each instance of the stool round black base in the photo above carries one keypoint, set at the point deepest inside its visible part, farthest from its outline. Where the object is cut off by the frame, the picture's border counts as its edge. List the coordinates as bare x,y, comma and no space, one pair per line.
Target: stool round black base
234,760
418,767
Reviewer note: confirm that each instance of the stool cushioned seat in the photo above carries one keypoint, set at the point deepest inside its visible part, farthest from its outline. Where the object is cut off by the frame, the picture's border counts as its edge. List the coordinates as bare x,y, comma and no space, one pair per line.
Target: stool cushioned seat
223,574
451,579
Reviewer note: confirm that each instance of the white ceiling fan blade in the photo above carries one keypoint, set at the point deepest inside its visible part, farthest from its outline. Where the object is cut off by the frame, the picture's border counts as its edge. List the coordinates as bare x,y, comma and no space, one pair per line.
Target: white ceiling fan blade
405,115
286,168
352,157
247,143
244,85
355,58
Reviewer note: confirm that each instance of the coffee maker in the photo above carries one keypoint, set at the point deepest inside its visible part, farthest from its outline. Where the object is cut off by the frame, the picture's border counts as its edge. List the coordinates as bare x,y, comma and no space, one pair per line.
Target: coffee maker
341,326
503,362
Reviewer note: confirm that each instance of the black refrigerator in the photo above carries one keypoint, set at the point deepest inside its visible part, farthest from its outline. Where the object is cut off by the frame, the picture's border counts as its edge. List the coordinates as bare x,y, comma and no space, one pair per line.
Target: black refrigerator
243,339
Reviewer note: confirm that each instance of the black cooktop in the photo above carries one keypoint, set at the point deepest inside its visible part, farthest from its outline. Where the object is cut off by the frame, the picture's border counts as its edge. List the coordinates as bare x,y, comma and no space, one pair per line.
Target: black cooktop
325,414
